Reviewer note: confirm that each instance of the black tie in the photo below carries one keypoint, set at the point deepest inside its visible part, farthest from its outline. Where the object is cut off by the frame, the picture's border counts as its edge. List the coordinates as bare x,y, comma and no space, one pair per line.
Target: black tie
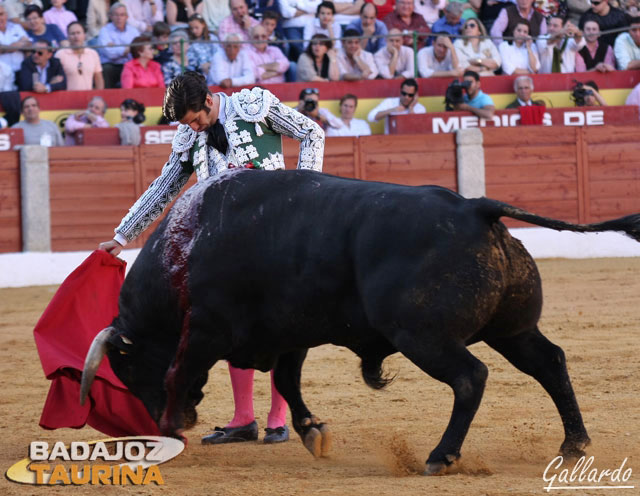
217,138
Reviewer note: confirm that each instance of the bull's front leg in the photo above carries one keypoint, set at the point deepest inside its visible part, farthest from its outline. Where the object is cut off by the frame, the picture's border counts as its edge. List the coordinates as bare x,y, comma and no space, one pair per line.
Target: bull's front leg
315,435
185,378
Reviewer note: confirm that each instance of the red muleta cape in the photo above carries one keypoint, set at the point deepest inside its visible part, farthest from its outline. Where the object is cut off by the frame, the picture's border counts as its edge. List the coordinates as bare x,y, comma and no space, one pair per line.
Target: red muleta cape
86,303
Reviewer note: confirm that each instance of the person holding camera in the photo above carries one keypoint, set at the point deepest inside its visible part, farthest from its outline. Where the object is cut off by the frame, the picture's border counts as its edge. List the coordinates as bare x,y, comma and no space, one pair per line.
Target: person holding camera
407,103
308,106
93,116
473,98
587,95
559,47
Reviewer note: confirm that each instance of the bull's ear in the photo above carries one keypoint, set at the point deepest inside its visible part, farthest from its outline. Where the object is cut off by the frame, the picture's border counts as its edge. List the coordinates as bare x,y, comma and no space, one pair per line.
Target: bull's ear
122,343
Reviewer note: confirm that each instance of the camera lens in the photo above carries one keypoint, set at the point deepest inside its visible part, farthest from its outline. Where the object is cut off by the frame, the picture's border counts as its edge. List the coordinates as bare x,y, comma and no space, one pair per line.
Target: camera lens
310,105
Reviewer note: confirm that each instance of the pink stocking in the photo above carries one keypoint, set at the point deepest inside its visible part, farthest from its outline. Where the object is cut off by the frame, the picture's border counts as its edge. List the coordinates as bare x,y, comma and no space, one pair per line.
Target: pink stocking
242,384
278,414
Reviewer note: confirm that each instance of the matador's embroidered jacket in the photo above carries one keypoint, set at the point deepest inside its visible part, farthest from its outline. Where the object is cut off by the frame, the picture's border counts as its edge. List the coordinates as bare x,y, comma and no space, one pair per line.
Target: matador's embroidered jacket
254,121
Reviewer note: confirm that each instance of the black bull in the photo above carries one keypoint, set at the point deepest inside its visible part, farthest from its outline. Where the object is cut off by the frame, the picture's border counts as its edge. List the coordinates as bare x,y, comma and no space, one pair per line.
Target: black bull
256,267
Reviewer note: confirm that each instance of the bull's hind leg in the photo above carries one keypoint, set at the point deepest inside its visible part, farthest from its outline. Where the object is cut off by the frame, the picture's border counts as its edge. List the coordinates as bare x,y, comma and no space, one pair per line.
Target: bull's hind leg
535,355
451,363
315,435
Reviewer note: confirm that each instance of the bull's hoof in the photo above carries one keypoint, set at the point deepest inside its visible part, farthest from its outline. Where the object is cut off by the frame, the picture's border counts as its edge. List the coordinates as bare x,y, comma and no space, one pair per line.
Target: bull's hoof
574,449
316,436
327,440
313,442
438,468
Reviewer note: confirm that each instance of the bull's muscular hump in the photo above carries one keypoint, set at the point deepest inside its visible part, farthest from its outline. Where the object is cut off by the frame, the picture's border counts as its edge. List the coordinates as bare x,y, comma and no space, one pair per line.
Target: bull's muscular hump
256,267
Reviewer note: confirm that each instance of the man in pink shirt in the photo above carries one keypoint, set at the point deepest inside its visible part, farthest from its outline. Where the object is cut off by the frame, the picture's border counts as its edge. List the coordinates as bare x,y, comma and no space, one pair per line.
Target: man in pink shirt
239,22
81,65
92,117
269,62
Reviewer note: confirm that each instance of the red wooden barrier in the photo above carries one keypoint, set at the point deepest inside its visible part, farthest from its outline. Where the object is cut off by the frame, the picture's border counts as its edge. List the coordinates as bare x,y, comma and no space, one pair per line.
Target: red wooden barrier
10,211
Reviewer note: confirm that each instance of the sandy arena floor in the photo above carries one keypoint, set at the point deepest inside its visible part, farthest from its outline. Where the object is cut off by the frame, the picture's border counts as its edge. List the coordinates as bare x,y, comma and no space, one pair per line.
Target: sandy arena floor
381,439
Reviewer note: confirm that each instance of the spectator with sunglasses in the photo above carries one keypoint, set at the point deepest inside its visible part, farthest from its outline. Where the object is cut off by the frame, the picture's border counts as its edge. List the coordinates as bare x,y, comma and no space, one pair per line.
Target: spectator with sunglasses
309,107
81,64
607,17
476,52
269,62
407,103
40,72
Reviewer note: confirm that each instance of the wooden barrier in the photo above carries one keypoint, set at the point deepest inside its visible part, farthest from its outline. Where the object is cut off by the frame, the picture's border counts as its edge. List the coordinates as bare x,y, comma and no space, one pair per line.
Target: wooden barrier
578,174
91,189
409,159
611,174
10,211
537,171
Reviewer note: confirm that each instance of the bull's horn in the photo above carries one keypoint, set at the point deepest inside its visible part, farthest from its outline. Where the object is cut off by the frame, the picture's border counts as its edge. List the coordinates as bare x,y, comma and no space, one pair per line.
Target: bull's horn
95,355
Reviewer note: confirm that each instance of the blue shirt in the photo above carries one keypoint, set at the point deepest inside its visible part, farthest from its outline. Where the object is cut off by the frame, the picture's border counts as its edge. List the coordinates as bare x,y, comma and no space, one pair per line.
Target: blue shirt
110,35
480,101
52,35
441,26
374,44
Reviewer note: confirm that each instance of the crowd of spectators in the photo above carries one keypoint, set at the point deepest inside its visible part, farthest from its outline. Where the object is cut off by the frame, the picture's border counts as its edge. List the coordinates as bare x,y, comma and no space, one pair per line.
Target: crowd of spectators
94,44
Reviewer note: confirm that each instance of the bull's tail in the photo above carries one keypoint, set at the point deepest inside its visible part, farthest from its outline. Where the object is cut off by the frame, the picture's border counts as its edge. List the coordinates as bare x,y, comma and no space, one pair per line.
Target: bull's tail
493,210
373,374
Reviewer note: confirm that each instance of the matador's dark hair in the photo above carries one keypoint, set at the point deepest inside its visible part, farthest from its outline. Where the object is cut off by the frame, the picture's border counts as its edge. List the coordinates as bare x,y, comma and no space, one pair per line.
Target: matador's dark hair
185,92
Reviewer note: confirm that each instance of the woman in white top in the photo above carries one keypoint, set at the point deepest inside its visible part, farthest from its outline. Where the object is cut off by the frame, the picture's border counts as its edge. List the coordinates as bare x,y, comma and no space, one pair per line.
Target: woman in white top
477,54
520,56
